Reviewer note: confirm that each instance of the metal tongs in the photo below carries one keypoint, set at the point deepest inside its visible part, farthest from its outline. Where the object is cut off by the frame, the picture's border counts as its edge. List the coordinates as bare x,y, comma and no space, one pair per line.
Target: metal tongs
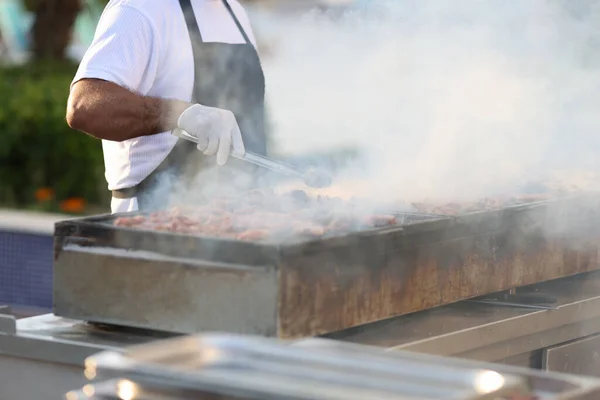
312,177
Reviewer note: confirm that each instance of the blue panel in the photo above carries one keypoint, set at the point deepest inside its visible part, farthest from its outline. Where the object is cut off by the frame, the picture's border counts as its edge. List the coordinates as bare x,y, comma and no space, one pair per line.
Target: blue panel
26,269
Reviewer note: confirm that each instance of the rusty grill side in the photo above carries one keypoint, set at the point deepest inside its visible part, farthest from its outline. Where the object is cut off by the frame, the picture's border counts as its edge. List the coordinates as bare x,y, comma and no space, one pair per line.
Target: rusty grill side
189,284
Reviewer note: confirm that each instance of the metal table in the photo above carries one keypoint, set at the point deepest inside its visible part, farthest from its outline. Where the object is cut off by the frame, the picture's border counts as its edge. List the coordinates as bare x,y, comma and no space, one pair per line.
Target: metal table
42,357
48,352
509,335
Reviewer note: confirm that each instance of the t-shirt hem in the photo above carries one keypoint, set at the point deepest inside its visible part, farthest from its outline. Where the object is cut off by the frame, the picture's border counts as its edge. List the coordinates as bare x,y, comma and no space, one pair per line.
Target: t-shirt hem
104,75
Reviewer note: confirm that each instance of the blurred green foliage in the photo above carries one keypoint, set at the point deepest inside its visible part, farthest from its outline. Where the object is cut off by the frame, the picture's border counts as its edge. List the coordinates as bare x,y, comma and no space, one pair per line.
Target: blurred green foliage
31,4
38,149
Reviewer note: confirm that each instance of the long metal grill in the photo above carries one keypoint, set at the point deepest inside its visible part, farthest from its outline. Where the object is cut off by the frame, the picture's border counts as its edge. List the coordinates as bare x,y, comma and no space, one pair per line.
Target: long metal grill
186,284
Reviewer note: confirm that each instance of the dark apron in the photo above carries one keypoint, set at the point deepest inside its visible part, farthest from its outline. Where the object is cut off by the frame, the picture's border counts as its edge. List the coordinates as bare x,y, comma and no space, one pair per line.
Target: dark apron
226,76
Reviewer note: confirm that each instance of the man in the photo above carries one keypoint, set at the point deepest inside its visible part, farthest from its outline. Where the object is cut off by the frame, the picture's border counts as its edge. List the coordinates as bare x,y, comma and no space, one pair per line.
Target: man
159,65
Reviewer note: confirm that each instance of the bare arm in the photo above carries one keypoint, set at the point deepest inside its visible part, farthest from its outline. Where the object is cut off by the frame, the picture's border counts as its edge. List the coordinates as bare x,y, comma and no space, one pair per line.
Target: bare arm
108,111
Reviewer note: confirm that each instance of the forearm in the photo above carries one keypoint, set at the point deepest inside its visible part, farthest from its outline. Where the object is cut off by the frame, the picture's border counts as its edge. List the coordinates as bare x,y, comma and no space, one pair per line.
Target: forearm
108,111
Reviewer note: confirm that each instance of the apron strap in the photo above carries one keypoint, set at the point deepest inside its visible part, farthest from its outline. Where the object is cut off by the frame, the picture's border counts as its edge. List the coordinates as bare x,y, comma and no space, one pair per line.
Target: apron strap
195,38
127,193
237,22
192,22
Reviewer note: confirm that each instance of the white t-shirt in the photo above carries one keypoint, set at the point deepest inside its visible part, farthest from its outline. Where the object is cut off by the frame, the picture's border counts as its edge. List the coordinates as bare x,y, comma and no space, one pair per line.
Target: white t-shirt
144,46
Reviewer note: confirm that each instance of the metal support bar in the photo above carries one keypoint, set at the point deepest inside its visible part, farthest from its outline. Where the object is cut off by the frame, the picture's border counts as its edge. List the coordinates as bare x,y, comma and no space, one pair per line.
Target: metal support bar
8,324
523,297
510,304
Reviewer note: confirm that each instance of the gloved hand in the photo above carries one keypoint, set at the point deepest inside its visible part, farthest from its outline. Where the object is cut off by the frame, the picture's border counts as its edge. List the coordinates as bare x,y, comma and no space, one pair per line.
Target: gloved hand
216,131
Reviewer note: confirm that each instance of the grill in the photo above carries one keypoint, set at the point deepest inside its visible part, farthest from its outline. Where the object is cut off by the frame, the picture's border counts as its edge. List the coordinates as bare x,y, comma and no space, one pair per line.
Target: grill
187,284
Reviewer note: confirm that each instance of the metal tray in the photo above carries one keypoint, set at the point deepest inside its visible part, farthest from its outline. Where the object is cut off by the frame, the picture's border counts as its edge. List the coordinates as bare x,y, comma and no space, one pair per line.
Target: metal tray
546,385
256,367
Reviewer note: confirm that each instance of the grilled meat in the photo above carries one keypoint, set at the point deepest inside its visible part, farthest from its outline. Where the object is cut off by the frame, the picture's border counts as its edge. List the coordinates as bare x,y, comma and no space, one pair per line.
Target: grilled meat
261,215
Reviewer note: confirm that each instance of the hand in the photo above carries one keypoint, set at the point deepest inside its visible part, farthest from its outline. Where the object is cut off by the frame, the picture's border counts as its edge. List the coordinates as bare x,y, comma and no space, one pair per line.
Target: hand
216,131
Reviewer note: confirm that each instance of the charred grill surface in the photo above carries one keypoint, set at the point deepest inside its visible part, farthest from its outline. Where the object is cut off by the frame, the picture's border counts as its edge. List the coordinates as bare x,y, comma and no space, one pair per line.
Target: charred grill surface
185,283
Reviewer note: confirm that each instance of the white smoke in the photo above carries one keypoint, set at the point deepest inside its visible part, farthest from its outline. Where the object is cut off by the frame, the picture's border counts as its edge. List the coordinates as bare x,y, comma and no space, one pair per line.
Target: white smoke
446,99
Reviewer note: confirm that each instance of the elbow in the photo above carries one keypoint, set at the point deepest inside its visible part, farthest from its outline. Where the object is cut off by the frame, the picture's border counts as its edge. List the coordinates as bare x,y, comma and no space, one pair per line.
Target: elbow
85,118
74,117
90,107
78,117
83,115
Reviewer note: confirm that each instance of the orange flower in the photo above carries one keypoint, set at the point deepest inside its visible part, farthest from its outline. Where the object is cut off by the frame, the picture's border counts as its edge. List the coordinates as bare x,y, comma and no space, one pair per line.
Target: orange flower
44,194
73,205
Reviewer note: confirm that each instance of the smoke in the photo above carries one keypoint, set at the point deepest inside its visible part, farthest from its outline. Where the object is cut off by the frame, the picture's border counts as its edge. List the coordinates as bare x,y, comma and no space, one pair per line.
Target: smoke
443,100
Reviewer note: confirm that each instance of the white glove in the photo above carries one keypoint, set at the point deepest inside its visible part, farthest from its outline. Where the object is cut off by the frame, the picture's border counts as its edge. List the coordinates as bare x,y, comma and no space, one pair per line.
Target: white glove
216,131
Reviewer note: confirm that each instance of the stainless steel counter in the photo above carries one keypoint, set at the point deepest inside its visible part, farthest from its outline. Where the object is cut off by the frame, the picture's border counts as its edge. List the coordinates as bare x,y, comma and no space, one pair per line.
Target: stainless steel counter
42,357
511,335
48,352
62,340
